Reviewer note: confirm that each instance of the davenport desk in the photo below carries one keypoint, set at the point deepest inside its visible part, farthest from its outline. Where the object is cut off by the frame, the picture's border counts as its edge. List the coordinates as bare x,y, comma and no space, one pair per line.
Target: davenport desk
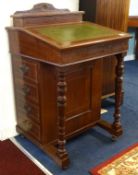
57,70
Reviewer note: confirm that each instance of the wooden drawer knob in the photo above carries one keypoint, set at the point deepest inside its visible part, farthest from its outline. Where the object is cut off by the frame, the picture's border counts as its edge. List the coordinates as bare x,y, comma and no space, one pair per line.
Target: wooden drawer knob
28,109
26,90
24,68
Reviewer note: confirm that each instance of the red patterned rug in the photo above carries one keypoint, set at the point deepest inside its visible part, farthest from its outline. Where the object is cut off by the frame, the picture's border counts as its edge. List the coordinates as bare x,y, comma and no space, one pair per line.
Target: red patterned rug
14,162
124,163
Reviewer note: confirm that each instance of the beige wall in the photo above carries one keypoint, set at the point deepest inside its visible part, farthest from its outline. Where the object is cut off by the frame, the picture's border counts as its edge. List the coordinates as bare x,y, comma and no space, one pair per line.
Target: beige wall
7,111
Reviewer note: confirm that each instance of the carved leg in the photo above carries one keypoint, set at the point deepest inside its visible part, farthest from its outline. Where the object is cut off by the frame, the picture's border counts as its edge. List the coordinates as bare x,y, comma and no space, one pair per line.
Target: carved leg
117,128
61,103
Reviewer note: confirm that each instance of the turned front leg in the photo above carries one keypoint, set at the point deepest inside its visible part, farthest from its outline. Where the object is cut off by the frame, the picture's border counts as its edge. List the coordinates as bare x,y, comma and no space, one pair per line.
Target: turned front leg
117,128
61,104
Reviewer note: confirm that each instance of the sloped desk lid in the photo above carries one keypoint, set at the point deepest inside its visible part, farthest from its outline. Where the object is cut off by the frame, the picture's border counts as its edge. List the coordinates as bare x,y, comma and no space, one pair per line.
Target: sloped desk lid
75,34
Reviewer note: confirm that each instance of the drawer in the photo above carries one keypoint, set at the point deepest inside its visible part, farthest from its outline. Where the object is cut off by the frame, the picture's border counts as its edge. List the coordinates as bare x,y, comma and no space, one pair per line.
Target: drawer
29,127
27,91
25,69
28,109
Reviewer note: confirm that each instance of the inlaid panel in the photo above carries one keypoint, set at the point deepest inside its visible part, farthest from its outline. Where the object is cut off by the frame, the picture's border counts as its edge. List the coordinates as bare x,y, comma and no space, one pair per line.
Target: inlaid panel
83,97
78,92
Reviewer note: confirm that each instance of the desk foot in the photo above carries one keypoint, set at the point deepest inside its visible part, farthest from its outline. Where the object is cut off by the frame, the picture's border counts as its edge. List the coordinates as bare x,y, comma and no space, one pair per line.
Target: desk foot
61,159
117,129
114,138
64,161
114,131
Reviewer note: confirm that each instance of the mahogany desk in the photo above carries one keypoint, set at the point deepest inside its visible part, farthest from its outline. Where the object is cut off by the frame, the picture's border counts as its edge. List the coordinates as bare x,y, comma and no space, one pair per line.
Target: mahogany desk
57,73
133,22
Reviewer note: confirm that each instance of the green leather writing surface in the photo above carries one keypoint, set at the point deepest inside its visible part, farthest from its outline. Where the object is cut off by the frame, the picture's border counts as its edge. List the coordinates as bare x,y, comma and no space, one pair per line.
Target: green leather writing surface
67,34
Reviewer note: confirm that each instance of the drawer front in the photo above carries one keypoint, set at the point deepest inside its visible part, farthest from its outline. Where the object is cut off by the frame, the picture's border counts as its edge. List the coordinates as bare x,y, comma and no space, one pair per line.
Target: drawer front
29,126
28,109
25,69
27,91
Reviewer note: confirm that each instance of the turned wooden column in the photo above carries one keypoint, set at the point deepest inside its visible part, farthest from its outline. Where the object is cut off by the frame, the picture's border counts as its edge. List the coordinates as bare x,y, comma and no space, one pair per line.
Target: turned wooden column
118,94
61,104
